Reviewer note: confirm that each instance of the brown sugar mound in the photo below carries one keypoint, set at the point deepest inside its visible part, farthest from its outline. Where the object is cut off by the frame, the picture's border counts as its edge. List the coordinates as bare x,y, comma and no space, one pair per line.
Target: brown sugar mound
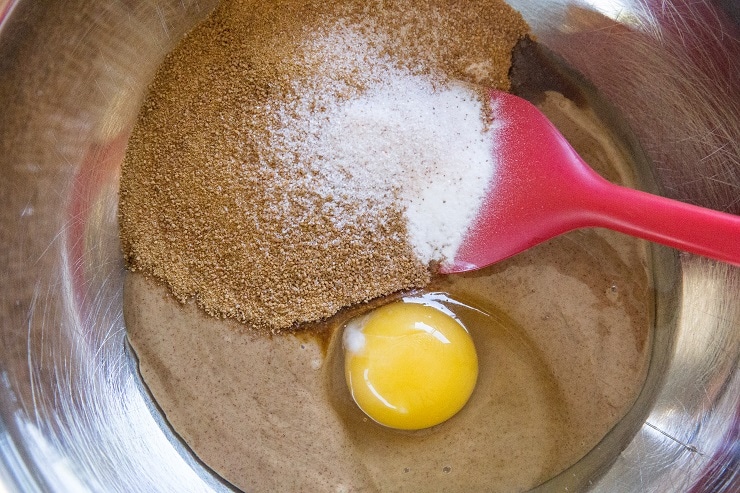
209,208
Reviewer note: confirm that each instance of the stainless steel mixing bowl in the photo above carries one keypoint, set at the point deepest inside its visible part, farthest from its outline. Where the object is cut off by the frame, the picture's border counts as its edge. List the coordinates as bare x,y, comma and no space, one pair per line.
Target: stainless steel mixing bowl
73,414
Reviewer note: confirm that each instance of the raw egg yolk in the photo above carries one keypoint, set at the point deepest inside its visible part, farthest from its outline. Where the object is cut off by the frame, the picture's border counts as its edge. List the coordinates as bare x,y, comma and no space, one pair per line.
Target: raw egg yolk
409,365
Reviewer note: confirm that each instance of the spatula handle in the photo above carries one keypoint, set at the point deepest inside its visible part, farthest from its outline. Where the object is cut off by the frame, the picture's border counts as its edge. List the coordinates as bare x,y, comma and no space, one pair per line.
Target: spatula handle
679,225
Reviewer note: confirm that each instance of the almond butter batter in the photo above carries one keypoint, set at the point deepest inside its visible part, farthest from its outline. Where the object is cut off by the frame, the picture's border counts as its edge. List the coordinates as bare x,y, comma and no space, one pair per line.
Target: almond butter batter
563,354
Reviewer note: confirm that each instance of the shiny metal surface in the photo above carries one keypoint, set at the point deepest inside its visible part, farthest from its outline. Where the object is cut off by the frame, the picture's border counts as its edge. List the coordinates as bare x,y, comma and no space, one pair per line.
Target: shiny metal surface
73,414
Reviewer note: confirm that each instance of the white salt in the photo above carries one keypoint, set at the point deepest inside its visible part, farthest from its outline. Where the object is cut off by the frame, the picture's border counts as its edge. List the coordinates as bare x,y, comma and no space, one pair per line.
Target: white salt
392,139
353,337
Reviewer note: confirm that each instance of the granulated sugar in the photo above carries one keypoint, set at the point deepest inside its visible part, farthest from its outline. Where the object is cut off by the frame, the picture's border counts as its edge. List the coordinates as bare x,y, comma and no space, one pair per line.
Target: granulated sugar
405,142
296,157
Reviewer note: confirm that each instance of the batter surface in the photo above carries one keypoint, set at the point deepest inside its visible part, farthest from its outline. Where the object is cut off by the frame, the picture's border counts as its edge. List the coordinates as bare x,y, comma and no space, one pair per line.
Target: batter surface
563,348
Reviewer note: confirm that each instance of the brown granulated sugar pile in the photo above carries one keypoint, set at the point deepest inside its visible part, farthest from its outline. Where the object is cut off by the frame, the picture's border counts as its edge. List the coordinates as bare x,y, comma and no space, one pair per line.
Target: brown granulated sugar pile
212,205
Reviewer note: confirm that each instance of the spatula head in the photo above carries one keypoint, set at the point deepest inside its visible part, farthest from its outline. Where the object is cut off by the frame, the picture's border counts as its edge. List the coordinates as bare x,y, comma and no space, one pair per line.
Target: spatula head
534,194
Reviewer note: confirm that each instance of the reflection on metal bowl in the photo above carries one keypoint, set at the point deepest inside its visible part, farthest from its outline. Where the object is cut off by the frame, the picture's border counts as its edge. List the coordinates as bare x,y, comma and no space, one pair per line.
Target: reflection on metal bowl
73,414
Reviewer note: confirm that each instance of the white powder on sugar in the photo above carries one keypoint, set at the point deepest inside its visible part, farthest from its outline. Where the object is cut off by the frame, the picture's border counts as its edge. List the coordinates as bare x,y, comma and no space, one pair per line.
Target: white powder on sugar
375,135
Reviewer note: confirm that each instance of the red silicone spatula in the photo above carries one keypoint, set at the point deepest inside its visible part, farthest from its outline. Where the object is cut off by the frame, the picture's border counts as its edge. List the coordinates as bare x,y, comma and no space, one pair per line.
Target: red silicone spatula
542,189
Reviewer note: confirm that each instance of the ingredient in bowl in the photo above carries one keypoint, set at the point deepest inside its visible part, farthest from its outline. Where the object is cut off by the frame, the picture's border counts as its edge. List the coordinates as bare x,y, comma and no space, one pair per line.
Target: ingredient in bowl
560,360
290,154
402,145
410,364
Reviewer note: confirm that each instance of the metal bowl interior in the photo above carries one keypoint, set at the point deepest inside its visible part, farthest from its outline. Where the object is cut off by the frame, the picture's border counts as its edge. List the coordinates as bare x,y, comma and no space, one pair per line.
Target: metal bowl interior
74,415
